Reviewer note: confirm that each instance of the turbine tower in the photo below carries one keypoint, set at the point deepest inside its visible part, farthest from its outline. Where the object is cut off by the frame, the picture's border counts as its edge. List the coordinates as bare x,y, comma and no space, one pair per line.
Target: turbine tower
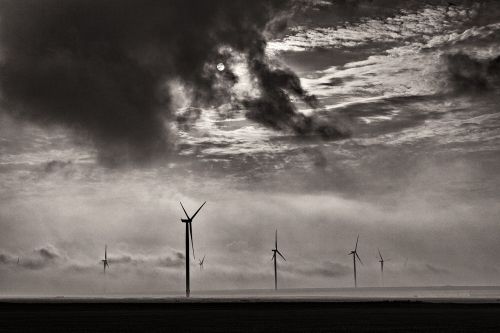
355,255
201,263
105,260
275,250
381,261
189,234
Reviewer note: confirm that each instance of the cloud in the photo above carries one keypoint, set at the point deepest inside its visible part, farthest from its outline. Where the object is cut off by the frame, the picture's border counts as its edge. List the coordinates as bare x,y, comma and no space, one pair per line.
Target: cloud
6,259
103,69
66,168
40,258
418,25
275,109
49,255
428,269
177,260
468,74
187,117
430,24
327,269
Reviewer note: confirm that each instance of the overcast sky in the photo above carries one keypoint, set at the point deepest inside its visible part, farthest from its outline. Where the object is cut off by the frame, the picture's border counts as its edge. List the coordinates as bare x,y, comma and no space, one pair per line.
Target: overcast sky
106,126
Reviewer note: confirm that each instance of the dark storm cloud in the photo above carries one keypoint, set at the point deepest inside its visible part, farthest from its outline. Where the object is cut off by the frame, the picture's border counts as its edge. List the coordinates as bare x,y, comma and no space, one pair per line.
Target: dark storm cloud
188,117
469,74
274,107
102,67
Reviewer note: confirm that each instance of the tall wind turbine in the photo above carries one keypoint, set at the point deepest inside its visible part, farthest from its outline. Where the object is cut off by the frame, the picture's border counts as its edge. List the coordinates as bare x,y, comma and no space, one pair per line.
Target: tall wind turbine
355,255
189,234
381,261
201,262
105,260
275,250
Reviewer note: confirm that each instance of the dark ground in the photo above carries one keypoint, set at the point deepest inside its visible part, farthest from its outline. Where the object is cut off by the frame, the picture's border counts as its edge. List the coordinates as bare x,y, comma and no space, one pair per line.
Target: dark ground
248,316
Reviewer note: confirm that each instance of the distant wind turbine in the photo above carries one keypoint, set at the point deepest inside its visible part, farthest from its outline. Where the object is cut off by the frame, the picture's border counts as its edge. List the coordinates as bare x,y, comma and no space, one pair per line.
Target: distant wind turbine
189,234
381,261
105,260
201,262
275,250
355,255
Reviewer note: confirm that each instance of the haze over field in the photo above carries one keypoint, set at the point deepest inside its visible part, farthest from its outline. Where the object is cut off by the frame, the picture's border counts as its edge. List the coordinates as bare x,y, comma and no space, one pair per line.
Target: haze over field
112,114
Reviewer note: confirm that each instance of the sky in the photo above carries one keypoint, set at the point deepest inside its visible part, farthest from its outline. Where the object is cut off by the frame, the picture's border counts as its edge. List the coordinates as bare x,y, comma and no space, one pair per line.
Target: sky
329,120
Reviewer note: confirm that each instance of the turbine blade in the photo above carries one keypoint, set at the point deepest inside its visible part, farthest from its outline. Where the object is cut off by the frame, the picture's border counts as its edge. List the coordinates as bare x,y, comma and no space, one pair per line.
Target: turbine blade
191,233
359,258
380,254
274,255
357,239
184,211
276,240
192,217
105,252
203,260
281,255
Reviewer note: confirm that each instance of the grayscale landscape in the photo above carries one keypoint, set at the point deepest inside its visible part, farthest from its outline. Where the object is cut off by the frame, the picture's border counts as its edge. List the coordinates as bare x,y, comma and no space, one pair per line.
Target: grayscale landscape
290,155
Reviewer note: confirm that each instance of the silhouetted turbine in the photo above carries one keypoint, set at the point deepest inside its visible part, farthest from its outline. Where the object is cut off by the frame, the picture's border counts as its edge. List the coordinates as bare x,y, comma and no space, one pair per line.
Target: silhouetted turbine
201,262
275,250
189,234
355,255
105,260
381,261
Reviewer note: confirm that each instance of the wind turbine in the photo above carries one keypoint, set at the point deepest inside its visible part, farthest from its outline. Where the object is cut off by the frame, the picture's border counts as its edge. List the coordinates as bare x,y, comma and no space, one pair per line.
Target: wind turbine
105,260
189,233
275,250
381,261
355,255
201,262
